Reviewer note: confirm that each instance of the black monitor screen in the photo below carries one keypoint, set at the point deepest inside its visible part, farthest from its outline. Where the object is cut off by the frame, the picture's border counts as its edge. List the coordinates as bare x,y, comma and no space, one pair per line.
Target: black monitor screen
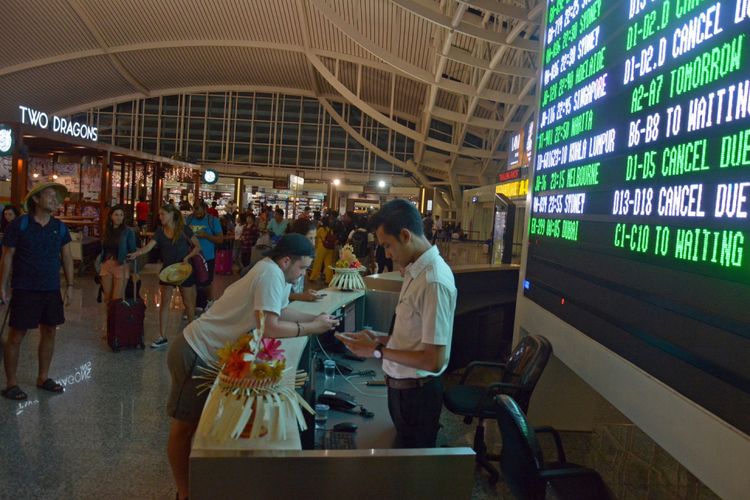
639,229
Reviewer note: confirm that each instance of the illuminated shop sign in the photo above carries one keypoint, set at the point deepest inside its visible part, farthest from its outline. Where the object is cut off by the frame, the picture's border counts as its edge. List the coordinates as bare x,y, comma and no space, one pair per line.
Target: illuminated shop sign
513,189
57,124
210,176
509,175
6,140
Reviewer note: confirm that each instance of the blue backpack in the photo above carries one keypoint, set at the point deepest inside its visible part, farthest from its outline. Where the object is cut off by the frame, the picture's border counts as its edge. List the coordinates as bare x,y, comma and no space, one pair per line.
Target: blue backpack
23,225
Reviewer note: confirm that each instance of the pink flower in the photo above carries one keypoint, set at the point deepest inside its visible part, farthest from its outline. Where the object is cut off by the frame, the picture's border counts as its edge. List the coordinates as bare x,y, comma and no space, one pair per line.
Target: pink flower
271,350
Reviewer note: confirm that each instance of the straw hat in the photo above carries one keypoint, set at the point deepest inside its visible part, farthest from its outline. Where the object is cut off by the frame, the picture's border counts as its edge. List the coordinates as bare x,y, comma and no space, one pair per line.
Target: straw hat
62,192
176,273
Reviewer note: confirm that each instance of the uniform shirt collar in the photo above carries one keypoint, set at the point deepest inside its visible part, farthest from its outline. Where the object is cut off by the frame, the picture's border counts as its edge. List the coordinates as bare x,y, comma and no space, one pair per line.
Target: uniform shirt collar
415,268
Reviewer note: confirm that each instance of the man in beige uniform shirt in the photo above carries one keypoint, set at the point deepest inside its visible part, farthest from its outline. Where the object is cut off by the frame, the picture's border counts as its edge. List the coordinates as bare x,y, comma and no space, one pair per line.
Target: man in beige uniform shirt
417,351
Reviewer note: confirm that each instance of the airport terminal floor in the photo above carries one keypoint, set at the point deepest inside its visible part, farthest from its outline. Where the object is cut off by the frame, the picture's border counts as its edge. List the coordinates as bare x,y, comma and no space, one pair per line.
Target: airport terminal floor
105,437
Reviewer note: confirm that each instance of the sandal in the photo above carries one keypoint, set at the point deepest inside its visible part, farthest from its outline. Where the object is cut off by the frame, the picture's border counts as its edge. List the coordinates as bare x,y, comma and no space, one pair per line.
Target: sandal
51,386
14,393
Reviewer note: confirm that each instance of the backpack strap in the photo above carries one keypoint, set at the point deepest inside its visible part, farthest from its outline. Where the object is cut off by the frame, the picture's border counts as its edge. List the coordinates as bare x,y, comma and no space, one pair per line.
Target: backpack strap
24,224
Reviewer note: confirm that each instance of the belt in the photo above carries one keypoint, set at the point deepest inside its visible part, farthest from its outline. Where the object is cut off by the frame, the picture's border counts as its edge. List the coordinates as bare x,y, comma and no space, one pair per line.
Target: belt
408,383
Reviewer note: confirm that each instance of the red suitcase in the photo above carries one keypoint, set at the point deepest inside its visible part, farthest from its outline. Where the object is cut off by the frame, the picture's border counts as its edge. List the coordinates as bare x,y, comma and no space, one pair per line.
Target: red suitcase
223,264
125,322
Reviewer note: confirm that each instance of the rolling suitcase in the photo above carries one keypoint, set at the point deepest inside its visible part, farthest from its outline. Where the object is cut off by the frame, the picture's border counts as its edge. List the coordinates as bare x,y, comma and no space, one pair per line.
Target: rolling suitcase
223,264
125,321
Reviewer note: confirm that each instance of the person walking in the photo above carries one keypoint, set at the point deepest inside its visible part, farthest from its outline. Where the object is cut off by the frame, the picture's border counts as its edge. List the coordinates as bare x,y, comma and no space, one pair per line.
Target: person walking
177,244
264,290
34,246
10,212
117,243
250,235
277,227
141,212
325,251
417,352
306,228
207,229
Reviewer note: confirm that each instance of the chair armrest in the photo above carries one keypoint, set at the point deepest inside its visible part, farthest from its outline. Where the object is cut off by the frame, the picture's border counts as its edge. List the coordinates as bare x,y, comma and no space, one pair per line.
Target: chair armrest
493,390
474,364
545,429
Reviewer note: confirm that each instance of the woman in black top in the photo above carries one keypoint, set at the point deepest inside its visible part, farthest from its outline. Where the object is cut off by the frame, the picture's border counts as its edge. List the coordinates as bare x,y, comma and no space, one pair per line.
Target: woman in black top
177,244
10,212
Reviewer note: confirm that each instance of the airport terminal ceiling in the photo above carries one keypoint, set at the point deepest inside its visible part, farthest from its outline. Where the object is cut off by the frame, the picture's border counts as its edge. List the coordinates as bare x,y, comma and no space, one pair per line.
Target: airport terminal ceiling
449,81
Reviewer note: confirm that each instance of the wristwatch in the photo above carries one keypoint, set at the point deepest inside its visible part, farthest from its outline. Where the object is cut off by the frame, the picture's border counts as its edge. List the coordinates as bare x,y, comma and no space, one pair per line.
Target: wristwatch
377,353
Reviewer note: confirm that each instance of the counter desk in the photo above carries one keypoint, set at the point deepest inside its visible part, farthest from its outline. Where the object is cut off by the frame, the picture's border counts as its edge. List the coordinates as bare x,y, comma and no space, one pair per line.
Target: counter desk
261,468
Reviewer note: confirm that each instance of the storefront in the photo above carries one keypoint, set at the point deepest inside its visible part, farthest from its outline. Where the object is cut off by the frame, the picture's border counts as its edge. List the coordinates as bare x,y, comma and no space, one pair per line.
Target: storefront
47,148
257,193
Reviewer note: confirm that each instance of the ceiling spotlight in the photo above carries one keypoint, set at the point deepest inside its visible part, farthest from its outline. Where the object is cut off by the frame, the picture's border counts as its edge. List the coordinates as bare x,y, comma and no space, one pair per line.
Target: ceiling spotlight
381,184
336,182
54,176
35,175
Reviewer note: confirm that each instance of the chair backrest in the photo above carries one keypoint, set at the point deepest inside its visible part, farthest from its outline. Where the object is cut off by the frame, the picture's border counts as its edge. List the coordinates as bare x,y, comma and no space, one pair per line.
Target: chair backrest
525,366
521,458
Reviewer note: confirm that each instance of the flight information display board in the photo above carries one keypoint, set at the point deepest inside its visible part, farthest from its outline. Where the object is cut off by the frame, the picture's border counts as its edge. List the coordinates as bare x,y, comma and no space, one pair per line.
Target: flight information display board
639,233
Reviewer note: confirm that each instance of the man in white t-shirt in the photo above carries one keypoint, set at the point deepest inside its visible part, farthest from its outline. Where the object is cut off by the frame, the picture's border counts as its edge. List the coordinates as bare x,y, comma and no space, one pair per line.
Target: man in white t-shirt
264,289
416,352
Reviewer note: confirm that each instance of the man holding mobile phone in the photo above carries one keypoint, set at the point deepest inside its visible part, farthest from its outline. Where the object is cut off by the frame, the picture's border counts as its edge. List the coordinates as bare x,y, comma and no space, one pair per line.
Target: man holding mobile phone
416,353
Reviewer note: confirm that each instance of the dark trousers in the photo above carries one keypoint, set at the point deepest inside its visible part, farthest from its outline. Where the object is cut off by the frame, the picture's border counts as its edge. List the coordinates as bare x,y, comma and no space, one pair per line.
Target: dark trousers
416,414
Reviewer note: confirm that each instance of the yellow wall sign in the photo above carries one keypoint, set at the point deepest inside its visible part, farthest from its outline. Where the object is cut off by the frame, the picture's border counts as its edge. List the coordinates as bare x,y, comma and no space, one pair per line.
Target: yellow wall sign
513,189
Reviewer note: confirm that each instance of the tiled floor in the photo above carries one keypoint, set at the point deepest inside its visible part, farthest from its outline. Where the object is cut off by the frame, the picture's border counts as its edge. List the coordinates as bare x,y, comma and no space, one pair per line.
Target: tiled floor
105,437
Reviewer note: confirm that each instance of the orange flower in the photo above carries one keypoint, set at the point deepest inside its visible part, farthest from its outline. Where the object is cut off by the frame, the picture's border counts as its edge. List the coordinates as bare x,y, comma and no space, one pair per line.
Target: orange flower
236,367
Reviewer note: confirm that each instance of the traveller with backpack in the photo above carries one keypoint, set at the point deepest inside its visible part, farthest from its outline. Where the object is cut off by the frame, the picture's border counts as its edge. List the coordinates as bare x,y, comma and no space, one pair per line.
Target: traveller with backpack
34,247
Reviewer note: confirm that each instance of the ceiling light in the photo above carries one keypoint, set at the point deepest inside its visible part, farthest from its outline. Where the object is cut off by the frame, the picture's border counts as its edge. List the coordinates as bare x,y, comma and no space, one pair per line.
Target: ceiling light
381,184
54,176
35,175
336,182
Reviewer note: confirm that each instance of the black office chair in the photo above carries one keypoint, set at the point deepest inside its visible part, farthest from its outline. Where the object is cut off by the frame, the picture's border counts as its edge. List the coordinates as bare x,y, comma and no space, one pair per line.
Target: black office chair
524,469
520,374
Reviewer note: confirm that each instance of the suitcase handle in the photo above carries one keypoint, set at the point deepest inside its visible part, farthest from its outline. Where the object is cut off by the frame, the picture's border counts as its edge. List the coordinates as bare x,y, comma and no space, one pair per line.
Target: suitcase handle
125,279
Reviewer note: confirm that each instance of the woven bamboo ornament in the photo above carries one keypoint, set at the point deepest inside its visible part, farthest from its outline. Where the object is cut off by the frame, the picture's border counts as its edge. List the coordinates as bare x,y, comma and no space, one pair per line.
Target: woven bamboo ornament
254,393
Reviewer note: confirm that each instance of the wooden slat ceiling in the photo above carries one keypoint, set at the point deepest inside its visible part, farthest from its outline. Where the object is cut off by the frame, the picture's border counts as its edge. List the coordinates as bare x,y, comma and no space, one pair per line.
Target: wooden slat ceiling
68,55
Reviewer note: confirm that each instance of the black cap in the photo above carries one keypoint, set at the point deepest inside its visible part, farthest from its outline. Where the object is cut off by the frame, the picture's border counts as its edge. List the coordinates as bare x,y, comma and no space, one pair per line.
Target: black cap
292,245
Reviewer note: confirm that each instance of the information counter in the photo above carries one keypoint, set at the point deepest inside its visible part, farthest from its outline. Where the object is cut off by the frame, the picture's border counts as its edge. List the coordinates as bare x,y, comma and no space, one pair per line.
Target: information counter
259,467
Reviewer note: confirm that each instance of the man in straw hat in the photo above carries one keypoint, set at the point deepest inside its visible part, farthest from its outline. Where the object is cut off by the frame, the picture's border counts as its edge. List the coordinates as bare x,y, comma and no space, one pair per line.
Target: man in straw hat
32,250
265,289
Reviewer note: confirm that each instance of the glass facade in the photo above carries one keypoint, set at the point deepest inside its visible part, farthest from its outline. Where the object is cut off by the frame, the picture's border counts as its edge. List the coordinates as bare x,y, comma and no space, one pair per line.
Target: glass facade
249,128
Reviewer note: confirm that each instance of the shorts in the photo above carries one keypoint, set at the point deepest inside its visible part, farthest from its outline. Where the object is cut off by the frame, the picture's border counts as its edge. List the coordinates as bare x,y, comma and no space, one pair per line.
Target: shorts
111,267
30,309
185,367
211,267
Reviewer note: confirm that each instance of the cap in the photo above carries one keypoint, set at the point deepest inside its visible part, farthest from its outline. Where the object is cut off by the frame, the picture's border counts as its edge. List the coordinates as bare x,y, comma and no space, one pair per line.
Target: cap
293,245
62,192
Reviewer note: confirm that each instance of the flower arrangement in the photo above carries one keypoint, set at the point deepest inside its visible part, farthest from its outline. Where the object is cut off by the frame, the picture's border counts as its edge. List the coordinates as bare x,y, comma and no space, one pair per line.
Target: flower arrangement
347,270
243,360
347,259
252,396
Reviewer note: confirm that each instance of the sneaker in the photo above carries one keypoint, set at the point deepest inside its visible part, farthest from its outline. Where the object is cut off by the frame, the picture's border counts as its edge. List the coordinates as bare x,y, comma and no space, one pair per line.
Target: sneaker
160,342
